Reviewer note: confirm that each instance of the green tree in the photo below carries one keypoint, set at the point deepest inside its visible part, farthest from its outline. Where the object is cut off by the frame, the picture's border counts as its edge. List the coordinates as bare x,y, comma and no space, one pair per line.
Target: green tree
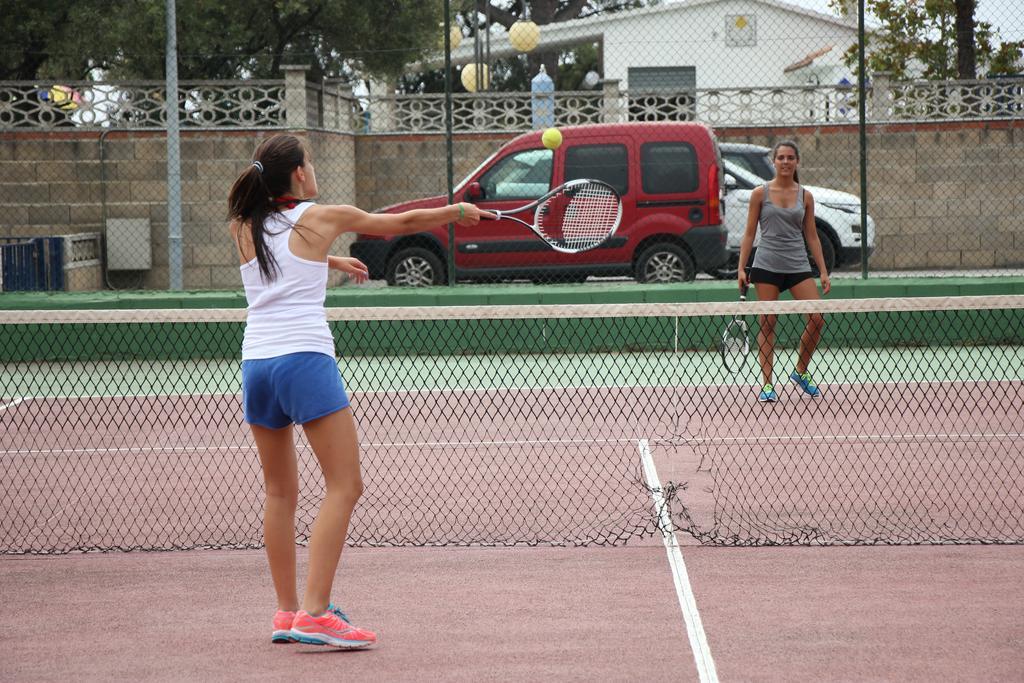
216,38
50,39
934,39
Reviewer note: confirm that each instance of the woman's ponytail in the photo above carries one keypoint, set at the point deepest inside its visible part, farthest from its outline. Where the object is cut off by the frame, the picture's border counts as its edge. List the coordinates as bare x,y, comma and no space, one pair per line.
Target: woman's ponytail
250,200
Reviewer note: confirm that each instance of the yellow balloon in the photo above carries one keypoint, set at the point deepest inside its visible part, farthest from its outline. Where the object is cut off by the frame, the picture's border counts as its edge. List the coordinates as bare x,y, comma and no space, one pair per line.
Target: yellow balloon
524,35
454,35
469,76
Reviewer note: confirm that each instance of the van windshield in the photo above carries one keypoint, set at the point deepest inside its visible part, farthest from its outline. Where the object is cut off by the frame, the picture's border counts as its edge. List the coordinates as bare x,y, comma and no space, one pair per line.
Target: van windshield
465,181
745,178
521,175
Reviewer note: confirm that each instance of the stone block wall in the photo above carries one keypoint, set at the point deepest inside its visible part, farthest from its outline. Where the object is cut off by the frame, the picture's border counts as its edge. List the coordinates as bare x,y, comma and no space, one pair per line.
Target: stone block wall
65,183
944,196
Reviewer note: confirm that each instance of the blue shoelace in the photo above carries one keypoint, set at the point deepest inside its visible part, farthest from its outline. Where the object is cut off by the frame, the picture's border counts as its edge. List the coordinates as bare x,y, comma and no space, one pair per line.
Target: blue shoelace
336,611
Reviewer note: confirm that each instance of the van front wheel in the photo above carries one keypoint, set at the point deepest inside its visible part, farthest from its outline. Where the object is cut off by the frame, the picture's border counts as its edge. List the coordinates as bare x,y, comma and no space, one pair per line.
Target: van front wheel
665,262
415,267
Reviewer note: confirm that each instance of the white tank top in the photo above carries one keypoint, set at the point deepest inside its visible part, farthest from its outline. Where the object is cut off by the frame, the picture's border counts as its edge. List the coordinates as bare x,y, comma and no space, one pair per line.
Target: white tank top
285,315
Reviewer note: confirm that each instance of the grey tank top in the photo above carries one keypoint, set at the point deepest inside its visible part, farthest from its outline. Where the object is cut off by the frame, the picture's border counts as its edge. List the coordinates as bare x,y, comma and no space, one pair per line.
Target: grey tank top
782,248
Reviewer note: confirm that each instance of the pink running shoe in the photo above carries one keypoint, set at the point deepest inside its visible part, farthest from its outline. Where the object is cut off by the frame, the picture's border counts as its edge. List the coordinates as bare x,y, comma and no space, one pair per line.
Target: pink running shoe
330,628
283,627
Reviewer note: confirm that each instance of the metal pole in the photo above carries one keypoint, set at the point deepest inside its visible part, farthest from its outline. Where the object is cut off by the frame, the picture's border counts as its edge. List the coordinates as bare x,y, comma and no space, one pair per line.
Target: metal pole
862,124
487,56
173,153
477,47
448,133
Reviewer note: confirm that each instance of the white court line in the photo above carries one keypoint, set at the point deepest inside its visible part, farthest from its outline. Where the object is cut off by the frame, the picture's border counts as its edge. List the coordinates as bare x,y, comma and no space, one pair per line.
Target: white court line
687,602
897,438
69,397
363,444
556,388
957,438
11,404
127,449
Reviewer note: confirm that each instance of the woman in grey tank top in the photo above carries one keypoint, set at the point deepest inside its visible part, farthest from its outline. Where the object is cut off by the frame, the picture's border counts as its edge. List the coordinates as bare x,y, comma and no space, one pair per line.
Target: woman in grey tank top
785,212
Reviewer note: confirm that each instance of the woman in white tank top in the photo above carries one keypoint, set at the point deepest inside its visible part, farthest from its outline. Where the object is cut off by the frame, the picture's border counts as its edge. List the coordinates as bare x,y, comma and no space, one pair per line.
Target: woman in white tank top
785,212
289,375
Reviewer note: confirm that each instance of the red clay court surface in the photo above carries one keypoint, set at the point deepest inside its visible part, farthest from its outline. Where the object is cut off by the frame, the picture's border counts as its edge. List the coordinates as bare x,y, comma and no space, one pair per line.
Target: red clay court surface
908,462
467,614
530,614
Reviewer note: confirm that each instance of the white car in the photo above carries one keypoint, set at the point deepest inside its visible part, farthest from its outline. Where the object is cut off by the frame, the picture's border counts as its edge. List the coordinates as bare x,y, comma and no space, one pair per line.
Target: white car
836,213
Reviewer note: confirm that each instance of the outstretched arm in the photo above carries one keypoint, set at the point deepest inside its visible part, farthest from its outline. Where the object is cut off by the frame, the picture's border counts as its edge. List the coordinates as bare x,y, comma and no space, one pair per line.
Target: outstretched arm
343,218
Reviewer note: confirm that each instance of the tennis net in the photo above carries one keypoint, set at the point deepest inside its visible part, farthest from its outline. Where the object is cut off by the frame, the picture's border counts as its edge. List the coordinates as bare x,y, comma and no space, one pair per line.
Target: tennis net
505,425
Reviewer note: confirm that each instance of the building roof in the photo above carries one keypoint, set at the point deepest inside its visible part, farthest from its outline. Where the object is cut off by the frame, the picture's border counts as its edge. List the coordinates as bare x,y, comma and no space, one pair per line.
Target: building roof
808,60
575,31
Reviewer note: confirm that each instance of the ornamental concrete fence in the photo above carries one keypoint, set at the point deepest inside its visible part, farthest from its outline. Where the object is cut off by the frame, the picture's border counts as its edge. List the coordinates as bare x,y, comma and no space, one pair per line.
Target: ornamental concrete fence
943,181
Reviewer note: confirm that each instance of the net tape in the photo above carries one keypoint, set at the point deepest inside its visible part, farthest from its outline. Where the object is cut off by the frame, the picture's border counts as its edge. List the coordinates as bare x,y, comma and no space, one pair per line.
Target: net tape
523,424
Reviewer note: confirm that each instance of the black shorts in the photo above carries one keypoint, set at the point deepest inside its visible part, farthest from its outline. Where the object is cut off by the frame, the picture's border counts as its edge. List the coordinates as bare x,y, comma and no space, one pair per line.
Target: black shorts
781,280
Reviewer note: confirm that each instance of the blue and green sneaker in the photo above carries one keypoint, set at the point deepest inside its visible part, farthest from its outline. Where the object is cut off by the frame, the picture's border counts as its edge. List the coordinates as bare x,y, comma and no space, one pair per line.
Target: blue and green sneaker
767,394
806,383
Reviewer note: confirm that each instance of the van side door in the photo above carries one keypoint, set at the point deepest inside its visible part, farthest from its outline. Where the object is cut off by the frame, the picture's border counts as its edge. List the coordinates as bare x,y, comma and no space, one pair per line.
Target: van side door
512,181
608,161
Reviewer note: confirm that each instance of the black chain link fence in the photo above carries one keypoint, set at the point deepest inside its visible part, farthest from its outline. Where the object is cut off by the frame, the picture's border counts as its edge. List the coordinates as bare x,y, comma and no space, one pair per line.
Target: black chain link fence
495,426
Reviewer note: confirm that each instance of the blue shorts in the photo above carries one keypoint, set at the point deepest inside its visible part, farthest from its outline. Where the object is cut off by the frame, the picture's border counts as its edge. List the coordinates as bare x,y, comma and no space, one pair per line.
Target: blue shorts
296,387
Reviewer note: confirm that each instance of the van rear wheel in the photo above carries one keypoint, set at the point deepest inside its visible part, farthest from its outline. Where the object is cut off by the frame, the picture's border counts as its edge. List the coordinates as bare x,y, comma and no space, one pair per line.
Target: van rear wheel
828,250
665,262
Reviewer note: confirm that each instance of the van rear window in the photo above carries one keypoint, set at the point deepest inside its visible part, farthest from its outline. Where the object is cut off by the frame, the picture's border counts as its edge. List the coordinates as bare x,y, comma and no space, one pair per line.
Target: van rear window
599,162
668,168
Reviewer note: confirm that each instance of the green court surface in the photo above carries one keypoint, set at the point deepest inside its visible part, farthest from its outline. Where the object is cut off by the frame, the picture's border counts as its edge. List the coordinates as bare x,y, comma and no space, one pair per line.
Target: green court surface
508,371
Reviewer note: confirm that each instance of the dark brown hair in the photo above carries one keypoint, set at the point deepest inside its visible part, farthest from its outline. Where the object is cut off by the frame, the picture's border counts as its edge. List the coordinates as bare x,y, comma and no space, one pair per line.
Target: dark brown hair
251,199
788,143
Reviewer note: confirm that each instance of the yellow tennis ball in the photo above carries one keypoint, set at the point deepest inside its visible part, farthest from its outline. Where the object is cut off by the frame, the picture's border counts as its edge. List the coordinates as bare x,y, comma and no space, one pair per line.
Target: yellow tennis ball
552,138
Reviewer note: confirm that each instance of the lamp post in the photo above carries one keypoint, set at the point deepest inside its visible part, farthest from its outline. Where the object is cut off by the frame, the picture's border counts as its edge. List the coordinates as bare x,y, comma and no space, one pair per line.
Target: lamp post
524,34
479,75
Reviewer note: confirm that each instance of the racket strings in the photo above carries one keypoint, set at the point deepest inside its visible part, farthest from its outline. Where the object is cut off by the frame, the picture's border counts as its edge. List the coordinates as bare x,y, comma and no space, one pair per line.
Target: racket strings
735,344
580,217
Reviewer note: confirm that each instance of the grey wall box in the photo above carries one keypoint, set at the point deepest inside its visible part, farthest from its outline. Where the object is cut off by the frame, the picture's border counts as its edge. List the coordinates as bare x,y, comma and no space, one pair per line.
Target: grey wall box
128,244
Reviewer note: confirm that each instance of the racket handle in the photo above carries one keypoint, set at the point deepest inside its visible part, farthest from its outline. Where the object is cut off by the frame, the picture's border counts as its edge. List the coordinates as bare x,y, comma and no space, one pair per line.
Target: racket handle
743,292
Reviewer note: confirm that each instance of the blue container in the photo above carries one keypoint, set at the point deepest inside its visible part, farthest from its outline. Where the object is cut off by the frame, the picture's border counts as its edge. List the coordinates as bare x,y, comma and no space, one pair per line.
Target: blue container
32,265
542,100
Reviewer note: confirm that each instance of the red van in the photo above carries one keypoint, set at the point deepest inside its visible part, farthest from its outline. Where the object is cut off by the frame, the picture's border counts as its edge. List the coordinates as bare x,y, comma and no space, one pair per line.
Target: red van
668,174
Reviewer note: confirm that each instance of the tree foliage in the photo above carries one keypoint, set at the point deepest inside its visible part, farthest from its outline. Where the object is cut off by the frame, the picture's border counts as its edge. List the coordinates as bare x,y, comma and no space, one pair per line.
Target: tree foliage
933,39
562,65
566,66
216,38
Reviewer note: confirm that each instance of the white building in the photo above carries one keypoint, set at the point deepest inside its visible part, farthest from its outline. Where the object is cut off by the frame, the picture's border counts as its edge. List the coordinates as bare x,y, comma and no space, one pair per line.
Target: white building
705,44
